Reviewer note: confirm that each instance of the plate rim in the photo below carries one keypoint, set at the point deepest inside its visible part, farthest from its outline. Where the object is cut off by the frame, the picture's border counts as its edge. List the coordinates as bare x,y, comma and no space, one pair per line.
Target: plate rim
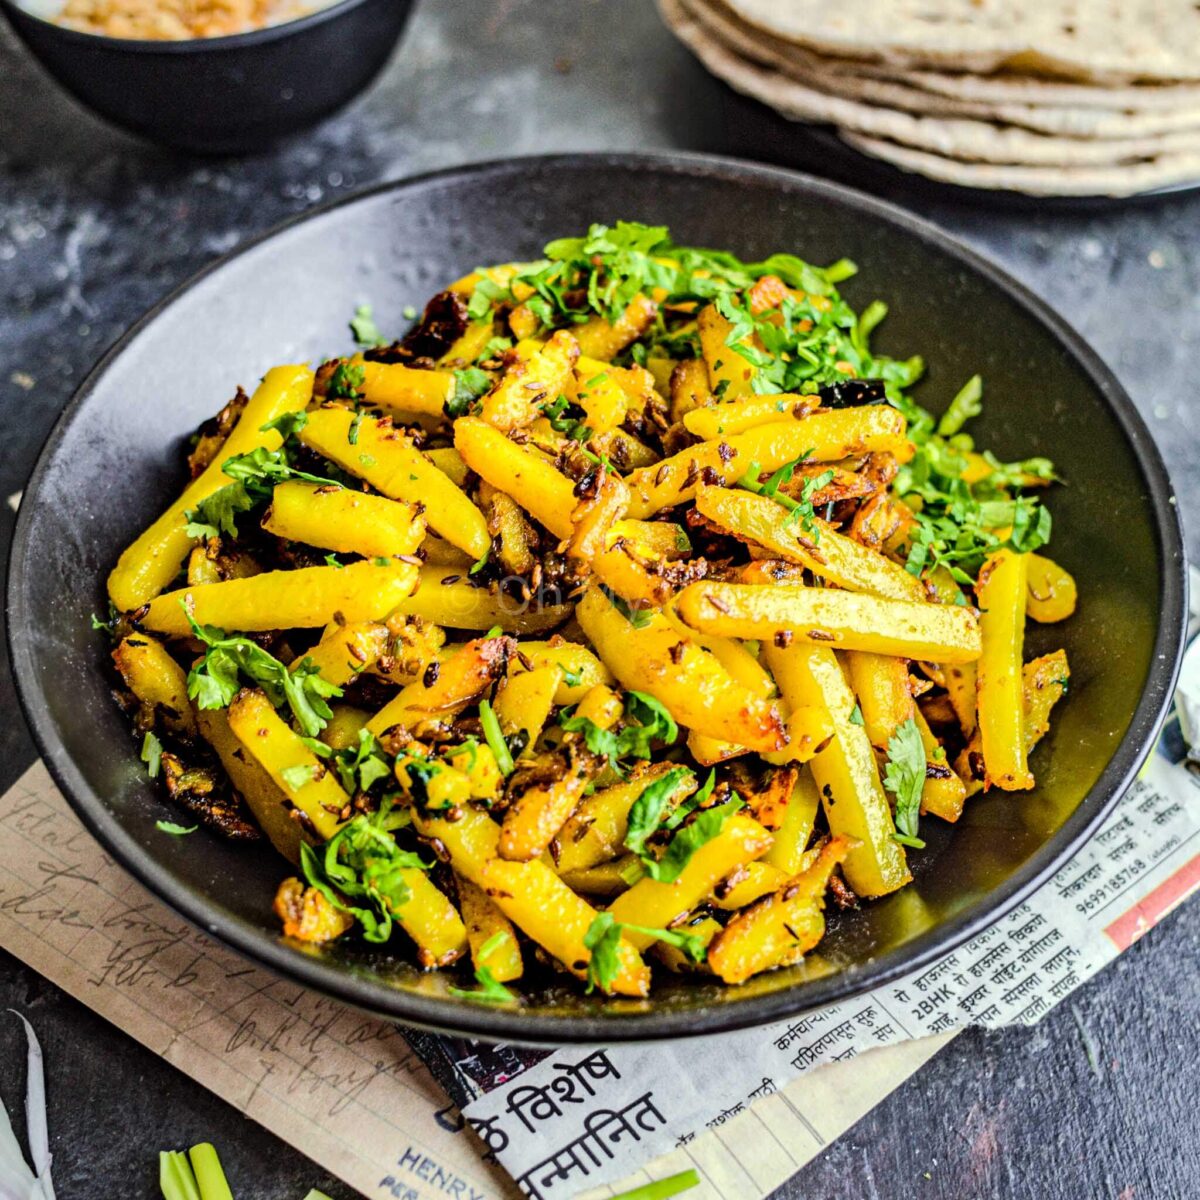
362,991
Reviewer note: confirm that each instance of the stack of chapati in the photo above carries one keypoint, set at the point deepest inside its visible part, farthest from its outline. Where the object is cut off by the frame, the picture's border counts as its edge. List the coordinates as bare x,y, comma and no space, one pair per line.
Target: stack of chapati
1049,97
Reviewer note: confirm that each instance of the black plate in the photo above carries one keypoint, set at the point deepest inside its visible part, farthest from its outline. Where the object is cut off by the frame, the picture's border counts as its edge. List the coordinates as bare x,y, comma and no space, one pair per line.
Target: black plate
113,461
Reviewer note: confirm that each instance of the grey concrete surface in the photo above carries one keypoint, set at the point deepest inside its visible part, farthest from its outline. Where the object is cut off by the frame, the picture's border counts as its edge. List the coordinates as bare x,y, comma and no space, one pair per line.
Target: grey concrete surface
95,227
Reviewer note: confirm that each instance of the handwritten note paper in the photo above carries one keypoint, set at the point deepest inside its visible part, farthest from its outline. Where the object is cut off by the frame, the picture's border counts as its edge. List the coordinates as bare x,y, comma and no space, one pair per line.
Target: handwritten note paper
345,1089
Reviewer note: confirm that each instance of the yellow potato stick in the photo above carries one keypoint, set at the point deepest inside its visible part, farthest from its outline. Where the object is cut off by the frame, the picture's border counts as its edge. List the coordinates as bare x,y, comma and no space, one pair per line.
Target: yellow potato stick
824,551
466,349
153,560
845,771
1045,682
596,830
1002,596
579,668
960,687
488,927
307,783
601,397
344,651
512,535
531,382
299,599
787,851
747,884
446,596
809,727
343,520
402,391
538,813
463,674
387,459
602,706
534,483
944,792
603,340
439,553
157,681
1050,592
342,729
470,840
265,798
728,417
523,704
429,918
604,879
656,905
881,686
788,922
545,909
689,390
730,374
843,620
695,688
450,463
823,437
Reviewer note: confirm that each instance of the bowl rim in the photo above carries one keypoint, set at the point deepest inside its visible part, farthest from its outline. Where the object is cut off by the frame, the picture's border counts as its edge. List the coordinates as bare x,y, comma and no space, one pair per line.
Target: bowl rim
363,991
183,46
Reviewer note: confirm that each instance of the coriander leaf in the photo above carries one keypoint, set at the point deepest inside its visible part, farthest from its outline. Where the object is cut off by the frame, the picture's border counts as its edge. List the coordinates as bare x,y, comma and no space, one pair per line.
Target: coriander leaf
215,679
639,618
603,939
346,381
495,738
967,404
572,679
856,717
491,990
287,424
904,777
362,863
360,767
152,753
362,326
175,830
648,810
693,803
706,825
470,384
480,562
296,777
646,721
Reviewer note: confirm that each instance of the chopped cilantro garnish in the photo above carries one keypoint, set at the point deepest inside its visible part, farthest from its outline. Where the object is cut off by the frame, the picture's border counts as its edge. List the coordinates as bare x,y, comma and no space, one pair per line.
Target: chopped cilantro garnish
469,385
646,721
490,990
603,939
215,679
345,383
362,863
904,777
175,830
152,753
366,332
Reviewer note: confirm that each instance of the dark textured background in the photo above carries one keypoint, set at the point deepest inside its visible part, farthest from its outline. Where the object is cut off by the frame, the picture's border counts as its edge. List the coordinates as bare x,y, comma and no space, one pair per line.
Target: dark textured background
94,228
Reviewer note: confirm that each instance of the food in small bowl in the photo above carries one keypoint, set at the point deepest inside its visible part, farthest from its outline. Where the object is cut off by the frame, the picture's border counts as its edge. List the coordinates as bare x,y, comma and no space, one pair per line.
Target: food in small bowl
617,618
211,76
178,19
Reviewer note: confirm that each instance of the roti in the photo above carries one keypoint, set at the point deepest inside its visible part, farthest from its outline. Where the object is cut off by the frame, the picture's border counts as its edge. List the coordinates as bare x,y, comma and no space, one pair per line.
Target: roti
947,137
1106,40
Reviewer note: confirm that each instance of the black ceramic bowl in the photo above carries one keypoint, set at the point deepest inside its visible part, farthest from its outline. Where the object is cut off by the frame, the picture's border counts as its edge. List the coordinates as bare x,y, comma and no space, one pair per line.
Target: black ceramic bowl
222,95
113,461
